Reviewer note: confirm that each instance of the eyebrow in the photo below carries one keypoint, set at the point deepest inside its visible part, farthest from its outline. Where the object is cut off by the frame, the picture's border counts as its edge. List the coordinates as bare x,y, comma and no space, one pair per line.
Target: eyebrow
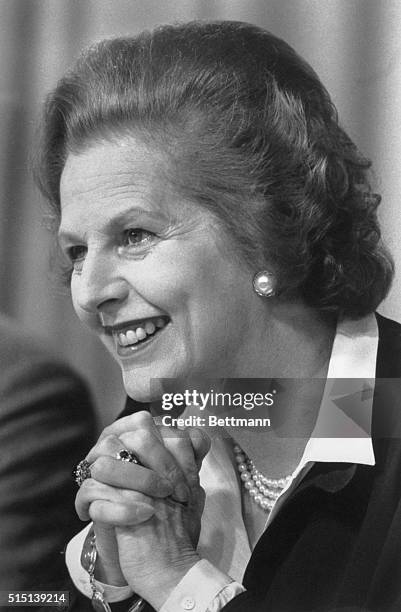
65,235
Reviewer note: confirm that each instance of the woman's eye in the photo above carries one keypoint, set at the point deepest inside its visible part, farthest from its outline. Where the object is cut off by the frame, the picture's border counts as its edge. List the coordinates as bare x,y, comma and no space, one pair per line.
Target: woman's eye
137,236
76,254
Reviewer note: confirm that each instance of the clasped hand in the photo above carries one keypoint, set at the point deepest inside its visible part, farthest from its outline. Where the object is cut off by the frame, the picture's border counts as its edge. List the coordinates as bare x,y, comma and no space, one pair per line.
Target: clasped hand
146,517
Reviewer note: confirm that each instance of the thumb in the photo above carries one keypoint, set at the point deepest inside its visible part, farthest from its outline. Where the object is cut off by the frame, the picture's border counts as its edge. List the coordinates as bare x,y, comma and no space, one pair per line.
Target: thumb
201,444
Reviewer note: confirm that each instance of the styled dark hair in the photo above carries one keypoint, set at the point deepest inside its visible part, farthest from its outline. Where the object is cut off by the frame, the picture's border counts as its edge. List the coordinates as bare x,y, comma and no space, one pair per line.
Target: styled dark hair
251,134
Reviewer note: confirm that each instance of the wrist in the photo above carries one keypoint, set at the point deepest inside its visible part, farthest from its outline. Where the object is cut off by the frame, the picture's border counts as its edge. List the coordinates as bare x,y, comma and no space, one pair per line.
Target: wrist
167,580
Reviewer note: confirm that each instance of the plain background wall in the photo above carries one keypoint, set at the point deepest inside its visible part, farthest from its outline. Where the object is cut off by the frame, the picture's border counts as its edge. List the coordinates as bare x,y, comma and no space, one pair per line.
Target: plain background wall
354,45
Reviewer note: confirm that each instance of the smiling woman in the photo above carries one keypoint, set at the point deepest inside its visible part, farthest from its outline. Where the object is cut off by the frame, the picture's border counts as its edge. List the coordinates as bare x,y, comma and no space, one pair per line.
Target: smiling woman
144,259
218,223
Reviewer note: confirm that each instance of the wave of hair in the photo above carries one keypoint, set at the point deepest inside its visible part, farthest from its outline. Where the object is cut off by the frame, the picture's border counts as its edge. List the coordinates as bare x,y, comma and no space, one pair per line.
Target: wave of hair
251,134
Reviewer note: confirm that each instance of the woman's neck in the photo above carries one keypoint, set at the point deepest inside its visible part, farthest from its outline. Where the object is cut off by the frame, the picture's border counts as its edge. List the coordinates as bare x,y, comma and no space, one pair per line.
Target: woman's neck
289,341
277,450
296,360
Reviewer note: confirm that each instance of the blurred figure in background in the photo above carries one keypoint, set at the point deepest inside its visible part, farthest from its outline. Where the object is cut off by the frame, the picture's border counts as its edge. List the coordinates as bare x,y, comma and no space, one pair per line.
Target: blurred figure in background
46,423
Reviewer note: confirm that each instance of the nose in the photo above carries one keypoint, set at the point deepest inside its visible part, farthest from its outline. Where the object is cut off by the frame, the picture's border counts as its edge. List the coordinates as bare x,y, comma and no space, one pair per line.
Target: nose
99,287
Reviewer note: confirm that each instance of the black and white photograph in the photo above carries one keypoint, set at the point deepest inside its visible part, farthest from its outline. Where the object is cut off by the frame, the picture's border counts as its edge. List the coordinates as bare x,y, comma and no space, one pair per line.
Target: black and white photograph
200,305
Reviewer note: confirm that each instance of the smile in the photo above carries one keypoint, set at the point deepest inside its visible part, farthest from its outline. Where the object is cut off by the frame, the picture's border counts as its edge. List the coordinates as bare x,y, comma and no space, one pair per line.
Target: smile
131,335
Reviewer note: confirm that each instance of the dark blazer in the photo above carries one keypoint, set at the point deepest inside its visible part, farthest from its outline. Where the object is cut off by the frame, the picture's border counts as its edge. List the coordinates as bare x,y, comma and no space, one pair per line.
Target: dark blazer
46,426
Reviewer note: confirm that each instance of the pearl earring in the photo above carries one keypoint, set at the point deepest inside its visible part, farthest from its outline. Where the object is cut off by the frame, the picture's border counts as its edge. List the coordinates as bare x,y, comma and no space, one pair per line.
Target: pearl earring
264,284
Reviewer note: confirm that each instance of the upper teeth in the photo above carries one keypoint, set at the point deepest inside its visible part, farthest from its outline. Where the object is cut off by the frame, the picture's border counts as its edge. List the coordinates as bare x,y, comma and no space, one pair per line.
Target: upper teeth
132,336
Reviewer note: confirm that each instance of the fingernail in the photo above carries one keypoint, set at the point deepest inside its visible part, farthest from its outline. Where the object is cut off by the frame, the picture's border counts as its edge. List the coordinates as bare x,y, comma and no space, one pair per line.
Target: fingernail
181,492
144,512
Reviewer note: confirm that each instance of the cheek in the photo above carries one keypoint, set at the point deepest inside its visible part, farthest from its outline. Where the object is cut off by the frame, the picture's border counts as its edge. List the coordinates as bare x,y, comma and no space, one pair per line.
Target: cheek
172,281
78,311
199,280
81,314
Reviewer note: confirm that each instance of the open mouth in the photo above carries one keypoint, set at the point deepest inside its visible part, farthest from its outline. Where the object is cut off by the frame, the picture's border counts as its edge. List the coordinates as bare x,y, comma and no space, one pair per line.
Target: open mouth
133,334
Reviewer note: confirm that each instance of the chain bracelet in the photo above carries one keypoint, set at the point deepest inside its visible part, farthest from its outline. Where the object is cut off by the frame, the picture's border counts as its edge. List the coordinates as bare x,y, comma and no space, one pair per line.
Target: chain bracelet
88,560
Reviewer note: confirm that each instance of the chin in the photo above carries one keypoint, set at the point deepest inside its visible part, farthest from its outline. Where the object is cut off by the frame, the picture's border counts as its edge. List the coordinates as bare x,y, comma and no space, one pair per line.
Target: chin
151,388
142,392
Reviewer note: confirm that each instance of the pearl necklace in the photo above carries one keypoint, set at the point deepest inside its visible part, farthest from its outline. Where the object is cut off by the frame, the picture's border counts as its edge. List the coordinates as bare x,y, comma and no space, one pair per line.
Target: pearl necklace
264,491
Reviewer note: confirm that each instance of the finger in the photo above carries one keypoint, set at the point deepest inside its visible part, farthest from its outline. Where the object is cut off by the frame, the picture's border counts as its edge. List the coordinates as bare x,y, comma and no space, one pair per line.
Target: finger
179,444
92,490
201,444
107,469
119,514
149,448
138,433
141,419
151,451
106,445
189,446
132,476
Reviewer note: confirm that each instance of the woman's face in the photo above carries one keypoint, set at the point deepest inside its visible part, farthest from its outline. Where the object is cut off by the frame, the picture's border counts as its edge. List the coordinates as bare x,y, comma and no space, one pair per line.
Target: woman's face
152,274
